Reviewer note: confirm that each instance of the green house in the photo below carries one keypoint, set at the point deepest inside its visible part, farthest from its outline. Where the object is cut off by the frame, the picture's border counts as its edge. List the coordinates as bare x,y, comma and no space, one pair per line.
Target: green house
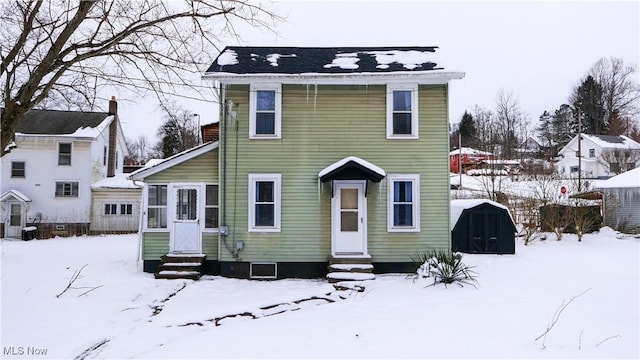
325,156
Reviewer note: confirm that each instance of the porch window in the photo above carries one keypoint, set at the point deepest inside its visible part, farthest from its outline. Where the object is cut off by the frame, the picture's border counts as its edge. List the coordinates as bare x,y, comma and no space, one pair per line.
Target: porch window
64,154
157,208
402,111
592,153
15,217
264,202
403,203
265,107
187,204
126,209
67,189
17,169
211,207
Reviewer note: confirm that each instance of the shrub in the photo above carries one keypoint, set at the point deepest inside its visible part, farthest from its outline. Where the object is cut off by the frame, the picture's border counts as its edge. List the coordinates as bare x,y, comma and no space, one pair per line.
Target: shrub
445,267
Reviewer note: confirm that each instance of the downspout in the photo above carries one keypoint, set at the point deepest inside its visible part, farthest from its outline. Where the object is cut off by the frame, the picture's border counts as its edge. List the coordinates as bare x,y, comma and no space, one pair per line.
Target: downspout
223,118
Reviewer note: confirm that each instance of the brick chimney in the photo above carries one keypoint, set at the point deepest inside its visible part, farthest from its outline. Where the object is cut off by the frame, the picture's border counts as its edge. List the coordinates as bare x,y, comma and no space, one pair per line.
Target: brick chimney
113,136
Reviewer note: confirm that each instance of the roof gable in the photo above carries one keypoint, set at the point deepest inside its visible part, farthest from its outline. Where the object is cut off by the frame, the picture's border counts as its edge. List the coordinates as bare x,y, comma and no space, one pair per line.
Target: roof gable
158,166
54,122
321,60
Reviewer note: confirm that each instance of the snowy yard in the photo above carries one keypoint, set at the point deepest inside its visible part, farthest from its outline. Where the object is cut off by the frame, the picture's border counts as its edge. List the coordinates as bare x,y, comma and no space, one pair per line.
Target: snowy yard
129,314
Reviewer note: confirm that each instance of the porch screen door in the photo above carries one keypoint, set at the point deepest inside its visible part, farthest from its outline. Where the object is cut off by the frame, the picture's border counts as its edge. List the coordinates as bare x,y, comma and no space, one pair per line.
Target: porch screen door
186,225
16,222
349,218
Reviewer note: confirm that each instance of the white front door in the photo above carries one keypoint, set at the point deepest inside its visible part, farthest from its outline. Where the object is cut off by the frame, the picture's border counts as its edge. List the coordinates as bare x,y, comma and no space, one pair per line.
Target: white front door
186,234
15,220
349,218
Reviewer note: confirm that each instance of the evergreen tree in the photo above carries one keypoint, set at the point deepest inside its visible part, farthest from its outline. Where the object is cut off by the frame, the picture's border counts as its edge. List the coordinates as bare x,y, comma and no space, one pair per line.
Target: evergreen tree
178,132
561,124
588,105
467,130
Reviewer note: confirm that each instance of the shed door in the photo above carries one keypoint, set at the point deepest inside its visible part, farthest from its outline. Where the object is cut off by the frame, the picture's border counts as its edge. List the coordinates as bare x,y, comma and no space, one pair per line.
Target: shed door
186,224
483,232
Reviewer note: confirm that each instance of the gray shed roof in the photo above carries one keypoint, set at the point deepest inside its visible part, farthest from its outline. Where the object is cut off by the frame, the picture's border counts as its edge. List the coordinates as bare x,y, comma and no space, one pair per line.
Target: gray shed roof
55,122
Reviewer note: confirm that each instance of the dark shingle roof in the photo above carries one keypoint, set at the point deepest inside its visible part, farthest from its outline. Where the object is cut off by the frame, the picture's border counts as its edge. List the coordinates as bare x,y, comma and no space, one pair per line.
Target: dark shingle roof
54,122
613,139
336,60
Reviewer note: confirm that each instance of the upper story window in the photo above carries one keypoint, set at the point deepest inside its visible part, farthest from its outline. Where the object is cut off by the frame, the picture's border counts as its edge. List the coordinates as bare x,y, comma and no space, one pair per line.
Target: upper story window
403,203
66,189
64,154
17,169
264,202
157,206
402,111
265,111
592,153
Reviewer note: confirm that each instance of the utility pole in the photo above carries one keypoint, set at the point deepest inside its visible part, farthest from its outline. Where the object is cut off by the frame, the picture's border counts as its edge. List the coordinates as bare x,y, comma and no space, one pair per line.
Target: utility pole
579,153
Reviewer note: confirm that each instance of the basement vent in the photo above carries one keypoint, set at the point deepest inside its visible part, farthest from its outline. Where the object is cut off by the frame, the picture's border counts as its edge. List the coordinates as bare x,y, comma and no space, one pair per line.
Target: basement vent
60,227
263,270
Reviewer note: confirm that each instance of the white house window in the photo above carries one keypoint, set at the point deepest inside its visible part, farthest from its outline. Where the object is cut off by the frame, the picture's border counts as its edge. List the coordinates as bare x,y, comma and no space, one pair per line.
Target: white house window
111,209
592,153
64,154
574,169
403,203
157,208
104,155
265,108
17,169
402,111
577,154
211,207
67,189
264,202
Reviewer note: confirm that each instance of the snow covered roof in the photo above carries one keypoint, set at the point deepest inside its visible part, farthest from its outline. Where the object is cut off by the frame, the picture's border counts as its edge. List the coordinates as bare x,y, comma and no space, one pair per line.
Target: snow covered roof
371,171
63,123
469,151
15,194
460,205
155,166
242,62
612,141
629,179
119,181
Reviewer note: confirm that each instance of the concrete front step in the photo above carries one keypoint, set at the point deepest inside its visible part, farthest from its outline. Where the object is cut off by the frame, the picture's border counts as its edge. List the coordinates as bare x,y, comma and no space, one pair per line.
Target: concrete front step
334,277
170,274
357,268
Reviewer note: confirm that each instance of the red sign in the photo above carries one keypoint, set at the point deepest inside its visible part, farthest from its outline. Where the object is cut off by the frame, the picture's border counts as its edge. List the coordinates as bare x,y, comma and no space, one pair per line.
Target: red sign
563,190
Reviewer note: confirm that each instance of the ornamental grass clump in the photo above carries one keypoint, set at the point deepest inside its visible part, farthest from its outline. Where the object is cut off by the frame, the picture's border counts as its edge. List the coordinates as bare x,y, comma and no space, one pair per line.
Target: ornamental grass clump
445,268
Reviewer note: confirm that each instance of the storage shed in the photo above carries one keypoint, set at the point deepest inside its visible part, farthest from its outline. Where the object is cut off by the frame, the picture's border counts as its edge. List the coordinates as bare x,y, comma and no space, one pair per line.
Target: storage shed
622,201
481,226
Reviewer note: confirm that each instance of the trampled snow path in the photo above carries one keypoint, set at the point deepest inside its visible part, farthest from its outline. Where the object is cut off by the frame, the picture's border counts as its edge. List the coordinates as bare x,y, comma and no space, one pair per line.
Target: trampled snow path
394,318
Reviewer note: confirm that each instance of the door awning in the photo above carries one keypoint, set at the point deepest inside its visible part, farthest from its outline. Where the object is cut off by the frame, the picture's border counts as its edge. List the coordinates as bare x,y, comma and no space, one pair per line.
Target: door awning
14,194
352,168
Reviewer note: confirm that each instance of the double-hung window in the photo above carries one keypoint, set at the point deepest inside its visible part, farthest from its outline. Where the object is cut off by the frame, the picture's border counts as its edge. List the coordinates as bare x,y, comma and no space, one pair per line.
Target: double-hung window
211,207
264,202
402,111
64,154
403,203
157,207
17,169
265,111
66,189
110,209
126,209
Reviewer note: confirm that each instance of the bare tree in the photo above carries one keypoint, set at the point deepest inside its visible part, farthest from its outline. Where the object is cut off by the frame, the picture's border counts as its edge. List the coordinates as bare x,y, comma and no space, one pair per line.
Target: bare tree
511,123
69,51
485,128
620,160
139,150
179,131
621,90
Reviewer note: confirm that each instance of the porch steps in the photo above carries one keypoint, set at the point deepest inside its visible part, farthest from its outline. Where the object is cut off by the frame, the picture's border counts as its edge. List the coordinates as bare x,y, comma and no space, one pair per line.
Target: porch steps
176,266
350,269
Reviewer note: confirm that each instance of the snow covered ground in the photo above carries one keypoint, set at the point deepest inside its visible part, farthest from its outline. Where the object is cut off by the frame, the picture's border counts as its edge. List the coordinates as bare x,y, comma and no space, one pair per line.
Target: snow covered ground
129,314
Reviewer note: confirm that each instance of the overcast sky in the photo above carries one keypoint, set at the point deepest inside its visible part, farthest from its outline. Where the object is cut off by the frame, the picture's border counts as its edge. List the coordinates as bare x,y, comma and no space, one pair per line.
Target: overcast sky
539,50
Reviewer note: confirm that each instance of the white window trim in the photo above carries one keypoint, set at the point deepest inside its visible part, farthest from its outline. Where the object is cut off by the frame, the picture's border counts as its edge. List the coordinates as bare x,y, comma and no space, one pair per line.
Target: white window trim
415,179
252,111
70,153
145,212
277,179
414,111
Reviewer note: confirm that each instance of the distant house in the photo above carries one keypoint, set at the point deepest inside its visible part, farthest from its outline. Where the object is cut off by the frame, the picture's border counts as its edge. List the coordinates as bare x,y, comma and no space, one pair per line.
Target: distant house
52,178
326,157
529,149
467,157
602,156
621,204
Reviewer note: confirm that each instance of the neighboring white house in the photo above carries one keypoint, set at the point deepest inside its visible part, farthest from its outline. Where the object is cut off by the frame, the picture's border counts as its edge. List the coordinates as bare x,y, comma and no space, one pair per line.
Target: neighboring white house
48,177
622,201
596,155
